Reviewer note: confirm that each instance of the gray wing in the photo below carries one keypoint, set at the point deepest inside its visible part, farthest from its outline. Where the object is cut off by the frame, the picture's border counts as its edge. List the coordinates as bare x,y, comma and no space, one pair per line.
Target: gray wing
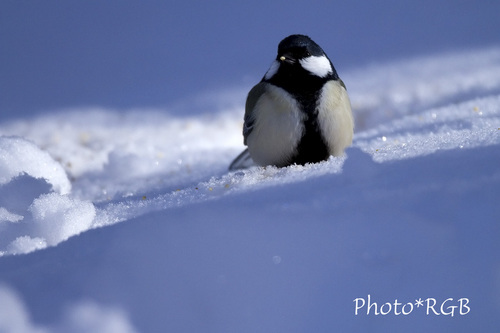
244,160
252,98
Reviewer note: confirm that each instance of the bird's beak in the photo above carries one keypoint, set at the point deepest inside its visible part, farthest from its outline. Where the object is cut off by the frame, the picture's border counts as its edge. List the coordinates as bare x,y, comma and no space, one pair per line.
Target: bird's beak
287,58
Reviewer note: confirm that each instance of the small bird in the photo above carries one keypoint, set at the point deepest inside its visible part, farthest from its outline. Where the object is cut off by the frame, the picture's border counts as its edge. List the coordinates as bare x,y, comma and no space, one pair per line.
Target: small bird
299,112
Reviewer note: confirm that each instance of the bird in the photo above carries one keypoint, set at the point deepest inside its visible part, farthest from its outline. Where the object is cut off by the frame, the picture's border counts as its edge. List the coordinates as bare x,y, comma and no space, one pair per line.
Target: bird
299,112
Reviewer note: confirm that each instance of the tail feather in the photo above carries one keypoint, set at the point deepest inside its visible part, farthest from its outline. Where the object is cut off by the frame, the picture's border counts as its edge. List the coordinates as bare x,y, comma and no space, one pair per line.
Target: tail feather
242,161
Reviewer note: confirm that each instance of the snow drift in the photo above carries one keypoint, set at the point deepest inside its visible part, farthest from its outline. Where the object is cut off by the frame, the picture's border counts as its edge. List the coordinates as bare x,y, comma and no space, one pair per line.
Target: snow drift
410,212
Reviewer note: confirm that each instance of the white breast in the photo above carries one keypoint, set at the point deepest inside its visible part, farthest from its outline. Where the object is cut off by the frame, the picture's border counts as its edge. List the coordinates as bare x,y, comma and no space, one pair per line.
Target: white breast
278,127
335,117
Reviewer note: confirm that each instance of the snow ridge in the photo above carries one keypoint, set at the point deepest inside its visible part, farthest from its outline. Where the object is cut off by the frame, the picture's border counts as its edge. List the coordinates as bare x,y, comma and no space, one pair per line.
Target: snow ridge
126,164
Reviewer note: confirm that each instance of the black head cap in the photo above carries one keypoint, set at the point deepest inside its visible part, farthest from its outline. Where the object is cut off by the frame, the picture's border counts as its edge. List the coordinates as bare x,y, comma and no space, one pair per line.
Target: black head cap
300,46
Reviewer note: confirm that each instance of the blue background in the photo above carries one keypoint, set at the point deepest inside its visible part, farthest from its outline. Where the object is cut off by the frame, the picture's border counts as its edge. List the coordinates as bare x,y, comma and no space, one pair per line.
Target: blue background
125,54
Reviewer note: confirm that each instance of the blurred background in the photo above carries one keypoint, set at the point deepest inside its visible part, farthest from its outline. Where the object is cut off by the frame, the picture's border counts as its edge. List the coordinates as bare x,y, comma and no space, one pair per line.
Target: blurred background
126,54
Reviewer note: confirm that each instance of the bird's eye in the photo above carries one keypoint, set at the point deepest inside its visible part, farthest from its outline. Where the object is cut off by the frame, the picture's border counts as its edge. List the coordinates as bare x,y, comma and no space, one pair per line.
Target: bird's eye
307,54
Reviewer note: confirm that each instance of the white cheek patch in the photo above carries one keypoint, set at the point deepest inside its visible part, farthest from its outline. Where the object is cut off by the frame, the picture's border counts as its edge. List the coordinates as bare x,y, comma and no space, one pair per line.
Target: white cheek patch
319,66
272,70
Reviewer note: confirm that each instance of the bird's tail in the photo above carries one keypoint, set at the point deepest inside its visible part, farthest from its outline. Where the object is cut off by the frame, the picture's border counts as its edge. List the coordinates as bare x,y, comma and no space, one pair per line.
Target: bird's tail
242,161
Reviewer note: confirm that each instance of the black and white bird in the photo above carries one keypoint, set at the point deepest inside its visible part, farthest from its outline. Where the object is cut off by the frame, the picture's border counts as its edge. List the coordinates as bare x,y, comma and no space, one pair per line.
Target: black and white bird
299,112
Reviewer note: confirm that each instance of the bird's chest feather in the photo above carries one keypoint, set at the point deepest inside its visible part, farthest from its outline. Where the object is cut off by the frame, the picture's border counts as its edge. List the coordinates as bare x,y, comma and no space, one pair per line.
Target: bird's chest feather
286,129
312,146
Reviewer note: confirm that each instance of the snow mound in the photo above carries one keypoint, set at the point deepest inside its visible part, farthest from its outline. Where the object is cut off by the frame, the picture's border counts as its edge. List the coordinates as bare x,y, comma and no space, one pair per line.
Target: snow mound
110,154
81,317
6,216
36,209
19,156
90,317
466,125
57,217
13,314
50,219
26,244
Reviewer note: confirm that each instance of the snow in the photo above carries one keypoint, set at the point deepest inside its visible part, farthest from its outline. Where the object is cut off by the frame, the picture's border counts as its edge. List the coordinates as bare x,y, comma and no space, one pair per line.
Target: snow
82,317
18,156
116,220
6,216
123,165
58,217
410,212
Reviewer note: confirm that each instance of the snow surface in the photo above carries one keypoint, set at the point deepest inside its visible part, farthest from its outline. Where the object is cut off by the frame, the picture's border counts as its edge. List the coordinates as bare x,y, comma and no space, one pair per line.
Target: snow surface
19,156
82,317
410,212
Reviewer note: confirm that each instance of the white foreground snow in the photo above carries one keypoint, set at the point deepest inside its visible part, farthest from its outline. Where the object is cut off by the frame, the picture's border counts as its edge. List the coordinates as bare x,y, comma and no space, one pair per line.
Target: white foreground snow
411,212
